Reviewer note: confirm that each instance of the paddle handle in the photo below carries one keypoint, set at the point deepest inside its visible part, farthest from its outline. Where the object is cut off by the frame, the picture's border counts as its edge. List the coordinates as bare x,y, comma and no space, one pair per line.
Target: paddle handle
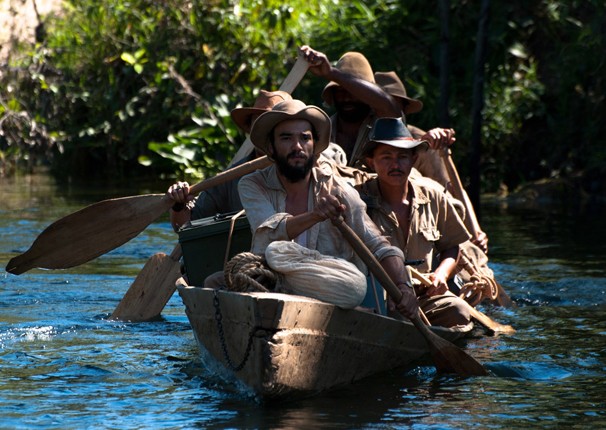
369,259
230,174
295,75
459,193
377,270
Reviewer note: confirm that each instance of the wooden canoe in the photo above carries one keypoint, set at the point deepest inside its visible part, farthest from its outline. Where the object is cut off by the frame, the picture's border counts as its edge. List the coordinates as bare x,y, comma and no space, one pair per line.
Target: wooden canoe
285,346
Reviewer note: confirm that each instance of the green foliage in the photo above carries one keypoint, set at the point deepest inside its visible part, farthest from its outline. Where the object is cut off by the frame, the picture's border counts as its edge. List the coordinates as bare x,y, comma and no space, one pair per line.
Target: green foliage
125,74
134,87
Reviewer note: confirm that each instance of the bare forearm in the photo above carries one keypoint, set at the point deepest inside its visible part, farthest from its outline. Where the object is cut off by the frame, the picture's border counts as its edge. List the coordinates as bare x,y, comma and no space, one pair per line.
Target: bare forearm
448,262
369,93
298,224
177,219
394,266
447,266
382,103
408,304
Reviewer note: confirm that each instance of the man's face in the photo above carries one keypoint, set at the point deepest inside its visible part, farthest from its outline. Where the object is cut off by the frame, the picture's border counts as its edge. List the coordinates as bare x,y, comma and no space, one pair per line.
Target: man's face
293,149
392,164
349,108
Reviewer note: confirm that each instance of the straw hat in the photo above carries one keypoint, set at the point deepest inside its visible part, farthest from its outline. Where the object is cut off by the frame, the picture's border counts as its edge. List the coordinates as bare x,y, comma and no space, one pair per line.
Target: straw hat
264,102
289,110
392,132
354,64
392,85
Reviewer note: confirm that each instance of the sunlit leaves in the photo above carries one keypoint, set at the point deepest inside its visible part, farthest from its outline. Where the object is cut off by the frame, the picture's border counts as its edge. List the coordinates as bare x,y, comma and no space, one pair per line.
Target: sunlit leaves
137,60
114,75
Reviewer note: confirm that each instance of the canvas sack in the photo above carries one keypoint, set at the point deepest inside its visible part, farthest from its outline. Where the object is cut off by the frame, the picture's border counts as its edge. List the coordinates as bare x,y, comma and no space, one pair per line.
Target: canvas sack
308,273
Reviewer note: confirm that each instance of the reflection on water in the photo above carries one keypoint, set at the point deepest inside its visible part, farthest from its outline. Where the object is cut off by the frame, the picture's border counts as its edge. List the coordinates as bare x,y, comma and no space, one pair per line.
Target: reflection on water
64,365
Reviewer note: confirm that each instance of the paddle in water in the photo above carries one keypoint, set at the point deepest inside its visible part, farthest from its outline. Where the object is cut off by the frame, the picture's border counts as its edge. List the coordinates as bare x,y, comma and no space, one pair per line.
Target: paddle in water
447,357
483,319
96,229
155,284
459,193
151,289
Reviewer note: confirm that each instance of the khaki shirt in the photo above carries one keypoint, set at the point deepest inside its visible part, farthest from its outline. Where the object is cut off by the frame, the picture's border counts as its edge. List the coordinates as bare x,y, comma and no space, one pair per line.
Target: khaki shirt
434,223
224,198
264,199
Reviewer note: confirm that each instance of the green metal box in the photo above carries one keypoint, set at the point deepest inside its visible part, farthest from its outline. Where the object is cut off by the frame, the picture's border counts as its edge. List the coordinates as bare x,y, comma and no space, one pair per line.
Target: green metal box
204,244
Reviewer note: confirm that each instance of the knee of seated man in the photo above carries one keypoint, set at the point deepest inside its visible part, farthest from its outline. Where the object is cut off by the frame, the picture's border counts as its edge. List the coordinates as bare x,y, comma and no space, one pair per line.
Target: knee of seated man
447,311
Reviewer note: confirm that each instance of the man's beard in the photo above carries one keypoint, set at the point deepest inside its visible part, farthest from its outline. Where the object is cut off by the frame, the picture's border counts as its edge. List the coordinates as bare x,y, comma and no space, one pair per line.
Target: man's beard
359,112
293,173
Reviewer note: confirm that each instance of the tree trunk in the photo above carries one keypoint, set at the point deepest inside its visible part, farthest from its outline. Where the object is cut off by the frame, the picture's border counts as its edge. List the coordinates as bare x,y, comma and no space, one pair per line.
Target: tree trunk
443,116
477,106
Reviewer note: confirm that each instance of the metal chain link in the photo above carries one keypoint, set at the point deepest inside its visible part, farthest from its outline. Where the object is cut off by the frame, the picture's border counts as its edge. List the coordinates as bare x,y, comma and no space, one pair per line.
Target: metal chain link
219,319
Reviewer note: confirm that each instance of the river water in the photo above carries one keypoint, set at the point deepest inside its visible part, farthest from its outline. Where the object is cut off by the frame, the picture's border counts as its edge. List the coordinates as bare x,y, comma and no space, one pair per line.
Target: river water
64,365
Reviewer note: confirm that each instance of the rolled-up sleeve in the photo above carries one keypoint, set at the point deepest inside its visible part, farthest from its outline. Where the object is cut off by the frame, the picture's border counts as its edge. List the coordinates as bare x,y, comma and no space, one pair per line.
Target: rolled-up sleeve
266,225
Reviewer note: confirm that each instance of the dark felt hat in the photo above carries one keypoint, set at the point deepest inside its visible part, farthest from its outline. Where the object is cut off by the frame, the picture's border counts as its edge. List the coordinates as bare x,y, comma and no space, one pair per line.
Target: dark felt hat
393,132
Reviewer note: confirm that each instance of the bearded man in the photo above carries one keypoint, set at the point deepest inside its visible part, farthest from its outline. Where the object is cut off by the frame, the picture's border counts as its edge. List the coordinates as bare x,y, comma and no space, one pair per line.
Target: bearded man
290,206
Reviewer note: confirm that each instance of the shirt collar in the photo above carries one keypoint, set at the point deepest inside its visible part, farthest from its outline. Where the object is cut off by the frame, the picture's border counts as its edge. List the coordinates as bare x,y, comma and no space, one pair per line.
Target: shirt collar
419,197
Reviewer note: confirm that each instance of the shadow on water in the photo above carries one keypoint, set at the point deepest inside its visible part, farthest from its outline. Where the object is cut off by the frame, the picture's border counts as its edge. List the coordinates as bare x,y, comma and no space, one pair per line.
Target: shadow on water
64,365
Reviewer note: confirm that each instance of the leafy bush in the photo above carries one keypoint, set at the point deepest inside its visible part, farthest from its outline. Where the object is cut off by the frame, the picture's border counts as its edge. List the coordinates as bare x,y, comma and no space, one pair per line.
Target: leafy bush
140,87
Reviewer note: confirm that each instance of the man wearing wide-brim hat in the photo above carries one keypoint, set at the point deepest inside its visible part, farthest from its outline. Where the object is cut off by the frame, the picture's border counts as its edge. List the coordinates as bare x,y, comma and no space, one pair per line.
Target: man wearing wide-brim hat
351,76
291,203
222,198
430,164
359,97
417,218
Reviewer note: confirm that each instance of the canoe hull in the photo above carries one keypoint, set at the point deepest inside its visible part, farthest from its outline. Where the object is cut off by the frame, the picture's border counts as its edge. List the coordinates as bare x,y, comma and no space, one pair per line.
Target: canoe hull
295,346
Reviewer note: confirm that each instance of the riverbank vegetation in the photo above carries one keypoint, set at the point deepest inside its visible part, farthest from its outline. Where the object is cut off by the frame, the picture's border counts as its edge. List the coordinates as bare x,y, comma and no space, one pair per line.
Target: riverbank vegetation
131,88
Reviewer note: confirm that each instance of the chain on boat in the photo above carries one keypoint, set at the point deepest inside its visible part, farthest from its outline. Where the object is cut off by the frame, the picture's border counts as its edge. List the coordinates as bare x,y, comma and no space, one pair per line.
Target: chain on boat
245,272
221,332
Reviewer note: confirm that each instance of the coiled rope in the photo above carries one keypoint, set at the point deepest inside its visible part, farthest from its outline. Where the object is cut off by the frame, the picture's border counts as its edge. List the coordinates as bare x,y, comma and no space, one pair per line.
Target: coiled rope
479,286
248,272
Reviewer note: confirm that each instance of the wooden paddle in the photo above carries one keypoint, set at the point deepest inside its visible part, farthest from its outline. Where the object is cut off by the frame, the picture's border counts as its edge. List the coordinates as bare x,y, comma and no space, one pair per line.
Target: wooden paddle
103,226
151,289
134,306
459,193
447,357
483,319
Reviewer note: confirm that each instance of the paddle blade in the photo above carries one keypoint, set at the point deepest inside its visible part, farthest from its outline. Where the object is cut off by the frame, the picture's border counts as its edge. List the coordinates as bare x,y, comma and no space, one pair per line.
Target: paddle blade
503,298
152,288
451,359
90,232
447,357
493,326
